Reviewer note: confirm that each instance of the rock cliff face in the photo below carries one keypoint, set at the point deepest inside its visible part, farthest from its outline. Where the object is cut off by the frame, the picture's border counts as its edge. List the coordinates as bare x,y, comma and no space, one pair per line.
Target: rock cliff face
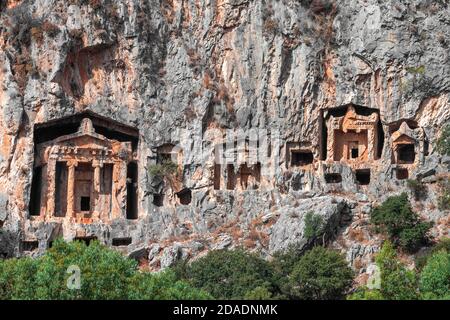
346,99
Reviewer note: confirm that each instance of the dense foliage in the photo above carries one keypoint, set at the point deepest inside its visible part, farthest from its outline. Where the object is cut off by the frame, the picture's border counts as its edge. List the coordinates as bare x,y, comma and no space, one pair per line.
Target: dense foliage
396,218
231,274
422,259
320,274
435,277
399,283
103,274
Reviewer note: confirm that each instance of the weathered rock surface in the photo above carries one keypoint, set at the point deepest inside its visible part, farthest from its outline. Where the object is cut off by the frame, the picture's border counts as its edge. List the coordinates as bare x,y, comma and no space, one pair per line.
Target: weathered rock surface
290,226
175,70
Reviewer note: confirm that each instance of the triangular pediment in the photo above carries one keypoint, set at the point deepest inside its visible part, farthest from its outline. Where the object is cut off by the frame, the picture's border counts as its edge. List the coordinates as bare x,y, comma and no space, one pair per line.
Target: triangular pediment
403,138
404,134
91,140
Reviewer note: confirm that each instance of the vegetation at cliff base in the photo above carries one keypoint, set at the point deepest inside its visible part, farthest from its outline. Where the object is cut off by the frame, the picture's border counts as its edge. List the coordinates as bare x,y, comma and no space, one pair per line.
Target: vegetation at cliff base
230,274
396,218
320,274
397,282
103,274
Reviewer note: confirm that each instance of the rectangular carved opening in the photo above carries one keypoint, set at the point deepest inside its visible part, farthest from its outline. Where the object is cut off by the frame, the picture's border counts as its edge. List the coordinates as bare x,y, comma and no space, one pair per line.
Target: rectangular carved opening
119,242
231,179
406,153
158,199
354,149
86,240
401,173
217,176
60,189
323,136
333,178
185,196
250,176
84,187
363,176
85,203
30,245
36,190
132,212
301,157
351,145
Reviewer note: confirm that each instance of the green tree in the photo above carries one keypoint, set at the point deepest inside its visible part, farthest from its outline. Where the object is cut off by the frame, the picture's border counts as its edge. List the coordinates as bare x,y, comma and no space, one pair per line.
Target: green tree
396,282
421,260
259,293
396,218
104,274
320,274
435,277
163,286
366,294
230,274
313,226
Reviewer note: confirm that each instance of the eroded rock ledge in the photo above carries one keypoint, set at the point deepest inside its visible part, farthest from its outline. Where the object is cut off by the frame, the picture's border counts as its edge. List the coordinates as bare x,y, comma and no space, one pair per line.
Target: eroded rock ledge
116,116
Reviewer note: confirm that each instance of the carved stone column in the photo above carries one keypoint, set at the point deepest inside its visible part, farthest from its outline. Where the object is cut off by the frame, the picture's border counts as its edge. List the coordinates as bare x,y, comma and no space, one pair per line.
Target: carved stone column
371,144
71,164
97,183
51,186
119,190
330,140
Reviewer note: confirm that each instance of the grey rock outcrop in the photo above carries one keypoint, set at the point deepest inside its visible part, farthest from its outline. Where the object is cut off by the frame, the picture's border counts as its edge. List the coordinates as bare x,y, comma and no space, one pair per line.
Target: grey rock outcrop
290,226
183,73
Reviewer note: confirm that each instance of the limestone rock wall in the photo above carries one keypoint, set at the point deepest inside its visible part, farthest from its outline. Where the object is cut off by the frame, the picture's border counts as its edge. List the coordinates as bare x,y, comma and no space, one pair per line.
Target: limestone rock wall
176,68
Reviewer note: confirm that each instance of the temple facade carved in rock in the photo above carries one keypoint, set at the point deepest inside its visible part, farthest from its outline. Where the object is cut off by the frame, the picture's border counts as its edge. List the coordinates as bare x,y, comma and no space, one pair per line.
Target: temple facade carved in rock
84,177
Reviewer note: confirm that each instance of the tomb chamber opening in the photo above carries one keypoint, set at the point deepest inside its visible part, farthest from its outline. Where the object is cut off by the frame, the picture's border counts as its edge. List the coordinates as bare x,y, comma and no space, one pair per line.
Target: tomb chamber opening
351,134
88,174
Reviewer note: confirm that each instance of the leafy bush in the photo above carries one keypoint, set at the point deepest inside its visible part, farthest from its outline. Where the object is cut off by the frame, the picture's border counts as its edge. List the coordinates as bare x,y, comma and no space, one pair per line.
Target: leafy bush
320,274
313,226
443,143
396,282
104,274
259,293
435,277
396,218
231,274
365,294
163,169
421,260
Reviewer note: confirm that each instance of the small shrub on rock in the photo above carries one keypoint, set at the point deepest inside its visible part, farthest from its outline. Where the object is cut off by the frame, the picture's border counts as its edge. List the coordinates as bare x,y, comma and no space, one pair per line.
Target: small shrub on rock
417,188
313,226
396,218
